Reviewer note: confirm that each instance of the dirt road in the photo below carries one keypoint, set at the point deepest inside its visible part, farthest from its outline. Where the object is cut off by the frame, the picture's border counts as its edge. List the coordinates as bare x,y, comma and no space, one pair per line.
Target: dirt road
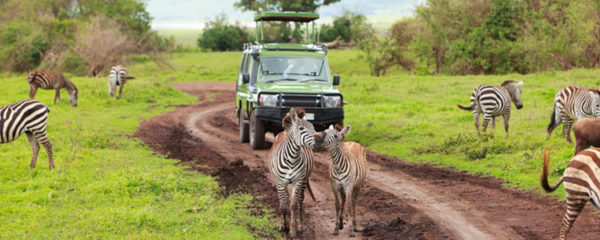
400,201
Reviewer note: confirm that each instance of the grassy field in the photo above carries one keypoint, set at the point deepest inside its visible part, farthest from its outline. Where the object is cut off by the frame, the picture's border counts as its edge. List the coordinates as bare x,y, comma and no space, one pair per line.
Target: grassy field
107,184
186,37
415,118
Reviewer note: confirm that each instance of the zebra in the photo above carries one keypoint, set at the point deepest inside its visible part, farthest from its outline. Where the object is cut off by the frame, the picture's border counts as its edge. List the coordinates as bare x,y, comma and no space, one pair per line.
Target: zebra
27,116
581,185
118,77
291,162
571,104
494,101
347,174
51,80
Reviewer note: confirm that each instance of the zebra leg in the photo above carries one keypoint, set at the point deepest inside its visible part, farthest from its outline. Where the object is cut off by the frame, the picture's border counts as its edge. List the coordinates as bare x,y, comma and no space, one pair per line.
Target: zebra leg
338,211
297,198
353,212
35,146
493,124
121,89
486,120
567,129
506,117
284,204
57,96
574,207
342,205
41,136
476,117
32,91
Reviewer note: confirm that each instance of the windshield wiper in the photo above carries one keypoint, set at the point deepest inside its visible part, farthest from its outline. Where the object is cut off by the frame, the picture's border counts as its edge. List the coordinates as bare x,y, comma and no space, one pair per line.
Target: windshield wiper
313,79
281,79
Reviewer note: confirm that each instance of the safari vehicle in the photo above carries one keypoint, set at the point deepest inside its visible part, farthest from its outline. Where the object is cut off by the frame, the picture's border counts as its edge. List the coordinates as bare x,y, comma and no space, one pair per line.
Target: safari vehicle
274,77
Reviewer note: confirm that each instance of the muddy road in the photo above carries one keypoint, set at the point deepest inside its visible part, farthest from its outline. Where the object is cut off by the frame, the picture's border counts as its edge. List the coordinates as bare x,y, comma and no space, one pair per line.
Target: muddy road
399,201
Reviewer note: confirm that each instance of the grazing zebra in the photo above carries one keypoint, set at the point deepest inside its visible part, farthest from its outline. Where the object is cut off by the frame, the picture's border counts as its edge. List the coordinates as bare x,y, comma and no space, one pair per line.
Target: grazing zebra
581,184
291,161
571,104
347,174
27,116
118,77
51,80
494,101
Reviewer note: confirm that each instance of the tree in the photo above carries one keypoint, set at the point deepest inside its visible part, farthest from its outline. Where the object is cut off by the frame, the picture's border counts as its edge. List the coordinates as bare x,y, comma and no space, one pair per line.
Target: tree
282,5
219,35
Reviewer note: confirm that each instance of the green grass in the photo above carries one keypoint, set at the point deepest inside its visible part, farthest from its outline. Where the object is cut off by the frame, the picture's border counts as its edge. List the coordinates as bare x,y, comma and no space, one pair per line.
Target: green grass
107,184
415,118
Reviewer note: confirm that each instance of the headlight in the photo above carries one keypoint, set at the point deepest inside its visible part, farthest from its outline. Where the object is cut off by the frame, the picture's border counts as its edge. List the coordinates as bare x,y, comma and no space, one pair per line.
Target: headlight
269,100
332,101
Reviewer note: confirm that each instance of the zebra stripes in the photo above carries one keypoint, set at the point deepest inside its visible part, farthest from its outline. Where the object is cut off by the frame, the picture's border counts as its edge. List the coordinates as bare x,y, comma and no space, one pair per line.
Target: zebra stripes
493,101
27,116
581,178
117,77
51,80
347,174
571,104
291,161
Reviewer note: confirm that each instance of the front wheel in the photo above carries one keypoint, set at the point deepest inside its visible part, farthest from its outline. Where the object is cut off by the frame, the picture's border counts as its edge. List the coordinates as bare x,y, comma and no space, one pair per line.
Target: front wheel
243,122
257,132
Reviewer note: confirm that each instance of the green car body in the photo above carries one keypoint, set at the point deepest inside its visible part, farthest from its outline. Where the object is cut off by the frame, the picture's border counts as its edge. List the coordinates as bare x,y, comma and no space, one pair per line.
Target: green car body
275,77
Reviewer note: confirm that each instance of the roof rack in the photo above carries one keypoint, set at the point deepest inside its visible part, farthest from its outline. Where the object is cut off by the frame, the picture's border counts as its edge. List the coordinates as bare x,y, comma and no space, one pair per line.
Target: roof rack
302,17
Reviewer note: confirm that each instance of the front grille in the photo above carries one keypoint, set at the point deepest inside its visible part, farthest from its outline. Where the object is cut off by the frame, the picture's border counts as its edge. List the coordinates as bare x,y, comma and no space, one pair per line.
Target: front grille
301,100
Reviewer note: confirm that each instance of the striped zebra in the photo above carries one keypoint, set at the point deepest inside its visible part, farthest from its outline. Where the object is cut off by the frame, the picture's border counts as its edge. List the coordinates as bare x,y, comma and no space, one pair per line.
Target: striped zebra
27,116
571,104
51,80
118,77
347,174
291,161
493,101
581,184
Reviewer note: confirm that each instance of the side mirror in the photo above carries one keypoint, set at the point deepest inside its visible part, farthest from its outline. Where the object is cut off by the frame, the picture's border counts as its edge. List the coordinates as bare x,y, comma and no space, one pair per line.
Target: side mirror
336,80
245,78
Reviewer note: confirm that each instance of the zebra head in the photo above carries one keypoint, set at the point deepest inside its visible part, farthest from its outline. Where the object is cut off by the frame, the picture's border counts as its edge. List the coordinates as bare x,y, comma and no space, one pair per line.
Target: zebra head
299,129
514,89
73,96
334,136
595,94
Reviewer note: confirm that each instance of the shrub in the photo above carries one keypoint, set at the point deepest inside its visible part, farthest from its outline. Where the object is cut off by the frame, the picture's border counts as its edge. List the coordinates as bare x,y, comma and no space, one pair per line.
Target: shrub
350,27
220,36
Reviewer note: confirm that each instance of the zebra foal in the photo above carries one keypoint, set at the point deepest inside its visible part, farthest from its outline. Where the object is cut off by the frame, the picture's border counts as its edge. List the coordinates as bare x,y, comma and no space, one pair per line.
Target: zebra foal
347,174
493,101
27,116
581,184
51,80
291,161
117,77
571,104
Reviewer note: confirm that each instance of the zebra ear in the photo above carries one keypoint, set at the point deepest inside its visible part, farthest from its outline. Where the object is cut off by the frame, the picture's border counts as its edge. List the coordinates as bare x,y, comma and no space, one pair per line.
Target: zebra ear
346,130
331,127
293,115
520,83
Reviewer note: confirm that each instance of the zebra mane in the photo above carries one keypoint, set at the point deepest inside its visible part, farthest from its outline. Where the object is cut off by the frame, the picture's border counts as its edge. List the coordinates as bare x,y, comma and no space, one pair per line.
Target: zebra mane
286,121
507,83
69,85
594,90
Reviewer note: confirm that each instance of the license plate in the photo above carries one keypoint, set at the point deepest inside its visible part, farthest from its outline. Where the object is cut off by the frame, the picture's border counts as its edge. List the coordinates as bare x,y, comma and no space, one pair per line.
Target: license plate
310,116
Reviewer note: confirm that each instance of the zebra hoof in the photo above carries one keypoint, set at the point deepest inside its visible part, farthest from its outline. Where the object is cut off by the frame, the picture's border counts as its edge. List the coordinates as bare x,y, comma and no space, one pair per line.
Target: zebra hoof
352,234
283,228
335,232
341,225
292,234
300,229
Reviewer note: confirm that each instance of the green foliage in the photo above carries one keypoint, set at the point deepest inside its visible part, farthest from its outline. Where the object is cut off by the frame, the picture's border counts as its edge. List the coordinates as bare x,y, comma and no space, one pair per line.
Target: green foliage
220,36
107,184
282,5
350,27
382,54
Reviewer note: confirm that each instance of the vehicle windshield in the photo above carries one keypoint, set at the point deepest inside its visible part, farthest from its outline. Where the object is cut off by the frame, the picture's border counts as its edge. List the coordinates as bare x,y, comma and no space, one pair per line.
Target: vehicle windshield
301,69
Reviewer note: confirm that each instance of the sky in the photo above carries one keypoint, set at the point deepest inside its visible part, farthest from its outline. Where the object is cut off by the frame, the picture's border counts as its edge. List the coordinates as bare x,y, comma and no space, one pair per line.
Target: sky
191,14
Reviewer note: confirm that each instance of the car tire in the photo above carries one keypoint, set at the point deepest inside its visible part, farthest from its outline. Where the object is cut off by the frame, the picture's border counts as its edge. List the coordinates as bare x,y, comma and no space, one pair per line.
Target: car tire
244,135
257,132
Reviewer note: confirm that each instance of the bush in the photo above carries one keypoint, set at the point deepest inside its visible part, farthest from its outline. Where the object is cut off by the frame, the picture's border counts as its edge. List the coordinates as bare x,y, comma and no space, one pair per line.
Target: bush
350,27
220,36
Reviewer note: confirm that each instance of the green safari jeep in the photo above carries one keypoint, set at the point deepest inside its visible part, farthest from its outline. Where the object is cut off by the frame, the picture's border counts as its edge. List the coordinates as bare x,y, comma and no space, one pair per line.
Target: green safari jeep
274,77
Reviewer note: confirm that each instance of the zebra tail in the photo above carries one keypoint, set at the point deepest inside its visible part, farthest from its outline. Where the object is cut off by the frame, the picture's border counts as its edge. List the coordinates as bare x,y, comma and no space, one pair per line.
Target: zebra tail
469,108
544,176
554,119
312,195
129,77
